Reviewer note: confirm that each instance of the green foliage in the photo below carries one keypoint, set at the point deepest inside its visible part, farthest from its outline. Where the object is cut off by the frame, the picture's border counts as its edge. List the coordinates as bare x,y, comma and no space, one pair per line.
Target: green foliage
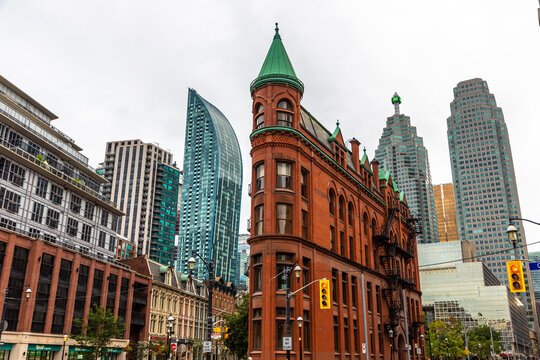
237,323
140,350
97,334
480,341
447,338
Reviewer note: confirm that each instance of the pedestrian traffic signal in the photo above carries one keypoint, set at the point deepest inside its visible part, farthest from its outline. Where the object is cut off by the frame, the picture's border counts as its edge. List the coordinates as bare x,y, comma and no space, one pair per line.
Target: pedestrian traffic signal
515,276
324,292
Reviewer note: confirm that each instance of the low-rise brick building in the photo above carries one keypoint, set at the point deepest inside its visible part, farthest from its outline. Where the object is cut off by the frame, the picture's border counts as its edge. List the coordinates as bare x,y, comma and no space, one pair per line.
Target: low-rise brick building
50,285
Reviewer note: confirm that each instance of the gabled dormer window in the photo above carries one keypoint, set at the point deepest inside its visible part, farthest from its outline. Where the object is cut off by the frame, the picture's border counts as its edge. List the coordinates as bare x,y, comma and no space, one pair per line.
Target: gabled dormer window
259,116
284,113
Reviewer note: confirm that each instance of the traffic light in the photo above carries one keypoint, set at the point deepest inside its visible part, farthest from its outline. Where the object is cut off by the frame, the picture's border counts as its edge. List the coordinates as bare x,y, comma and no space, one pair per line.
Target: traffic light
227,332
324,292
515,276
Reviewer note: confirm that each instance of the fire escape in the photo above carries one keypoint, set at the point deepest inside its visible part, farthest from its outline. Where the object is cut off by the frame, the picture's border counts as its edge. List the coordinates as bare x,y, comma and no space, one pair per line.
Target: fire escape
396,278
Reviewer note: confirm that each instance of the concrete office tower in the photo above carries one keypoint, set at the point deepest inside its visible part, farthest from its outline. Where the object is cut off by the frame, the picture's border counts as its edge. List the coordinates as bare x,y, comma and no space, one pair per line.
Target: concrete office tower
401,151
484,181
47,188
456,285
144,184
446,212
210,203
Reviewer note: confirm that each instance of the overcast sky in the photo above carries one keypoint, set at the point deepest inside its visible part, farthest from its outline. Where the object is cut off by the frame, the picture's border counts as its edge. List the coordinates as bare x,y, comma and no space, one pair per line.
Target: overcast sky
114,70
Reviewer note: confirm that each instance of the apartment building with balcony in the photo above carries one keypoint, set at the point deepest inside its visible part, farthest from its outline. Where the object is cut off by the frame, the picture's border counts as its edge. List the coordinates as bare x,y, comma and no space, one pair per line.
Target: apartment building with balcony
47,188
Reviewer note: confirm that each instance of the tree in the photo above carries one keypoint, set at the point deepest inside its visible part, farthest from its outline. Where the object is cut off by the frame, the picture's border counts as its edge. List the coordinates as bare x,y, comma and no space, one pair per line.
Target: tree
447,339
480,341
97,334
237,341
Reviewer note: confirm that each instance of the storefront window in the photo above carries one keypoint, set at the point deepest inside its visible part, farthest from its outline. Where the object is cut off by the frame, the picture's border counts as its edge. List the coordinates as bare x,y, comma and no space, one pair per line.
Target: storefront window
39,355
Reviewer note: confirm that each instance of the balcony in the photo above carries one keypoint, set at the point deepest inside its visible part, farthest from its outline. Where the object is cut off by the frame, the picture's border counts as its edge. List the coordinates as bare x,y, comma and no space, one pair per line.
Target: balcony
249,190
72,182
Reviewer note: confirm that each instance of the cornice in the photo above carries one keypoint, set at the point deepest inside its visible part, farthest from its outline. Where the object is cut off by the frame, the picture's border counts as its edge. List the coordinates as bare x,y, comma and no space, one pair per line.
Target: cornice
317,149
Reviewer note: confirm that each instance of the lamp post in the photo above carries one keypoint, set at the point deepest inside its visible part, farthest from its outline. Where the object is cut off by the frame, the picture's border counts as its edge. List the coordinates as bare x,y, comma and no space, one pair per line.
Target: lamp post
429,342
287,276
447,352
28,292
64,350
423,342
170,331
299,320
391,336
210,267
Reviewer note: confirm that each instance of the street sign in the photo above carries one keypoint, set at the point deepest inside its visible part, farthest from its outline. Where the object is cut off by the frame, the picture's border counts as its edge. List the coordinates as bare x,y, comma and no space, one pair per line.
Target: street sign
287,343
534,266
216,336
173,347
363,348
467,352
207,347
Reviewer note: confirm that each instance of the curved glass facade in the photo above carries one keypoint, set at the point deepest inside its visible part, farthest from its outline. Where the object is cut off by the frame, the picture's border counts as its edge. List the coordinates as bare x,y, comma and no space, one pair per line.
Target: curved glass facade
211,192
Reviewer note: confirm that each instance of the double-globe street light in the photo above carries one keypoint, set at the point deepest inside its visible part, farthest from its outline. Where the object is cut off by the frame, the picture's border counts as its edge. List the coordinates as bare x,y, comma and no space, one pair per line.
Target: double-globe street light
210,267
286,273
170,332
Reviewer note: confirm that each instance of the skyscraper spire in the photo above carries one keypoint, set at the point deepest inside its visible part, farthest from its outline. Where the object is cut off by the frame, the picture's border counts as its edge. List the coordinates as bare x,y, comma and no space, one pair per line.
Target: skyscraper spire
396,100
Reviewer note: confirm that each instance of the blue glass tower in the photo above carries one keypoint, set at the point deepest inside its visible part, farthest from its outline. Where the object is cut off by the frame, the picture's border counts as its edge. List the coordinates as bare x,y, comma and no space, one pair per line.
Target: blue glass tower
210,198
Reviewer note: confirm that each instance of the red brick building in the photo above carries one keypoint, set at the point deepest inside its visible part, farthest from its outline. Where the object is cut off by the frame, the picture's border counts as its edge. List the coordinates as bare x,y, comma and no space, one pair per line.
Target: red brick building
317,204
50,285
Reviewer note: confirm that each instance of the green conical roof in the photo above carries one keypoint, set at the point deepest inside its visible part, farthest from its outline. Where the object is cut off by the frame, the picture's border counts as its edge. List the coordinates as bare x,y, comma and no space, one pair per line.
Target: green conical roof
277,68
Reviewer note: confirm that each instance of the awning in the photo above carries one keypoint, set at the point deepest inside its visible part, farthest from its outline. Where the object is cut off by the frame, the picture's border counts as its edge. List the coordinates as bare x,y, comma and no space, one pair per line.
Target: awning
43,347
6,347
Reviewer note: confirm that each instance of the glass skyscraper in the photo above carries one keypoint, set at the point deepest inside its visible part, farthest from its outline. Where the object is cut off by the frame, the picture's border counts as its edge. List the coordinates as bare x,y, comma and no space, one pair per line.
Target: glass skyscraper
402,152
485,188
211,192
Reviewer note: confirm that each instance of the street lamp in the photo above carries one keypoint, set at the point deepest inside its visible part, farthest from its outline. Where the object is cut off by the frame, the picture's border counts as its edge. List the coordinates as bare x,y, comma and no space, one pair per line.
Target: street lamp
287,276
299,320
447,352
429,342
63,351
210,267
28,292
170,331
391,336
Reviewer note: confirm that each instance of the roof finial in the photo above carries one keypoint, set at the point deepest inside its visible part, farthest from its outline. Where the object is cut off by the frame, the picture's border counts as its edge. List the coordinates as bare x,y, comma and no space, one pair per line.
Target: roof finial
337,122
396,100
364,149
276,36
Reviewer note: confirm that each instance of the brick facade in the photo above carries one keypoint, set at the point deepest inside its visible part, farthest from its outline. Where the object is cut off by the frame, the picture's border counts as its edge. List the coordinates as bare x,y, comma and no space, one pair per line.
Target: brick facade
316,204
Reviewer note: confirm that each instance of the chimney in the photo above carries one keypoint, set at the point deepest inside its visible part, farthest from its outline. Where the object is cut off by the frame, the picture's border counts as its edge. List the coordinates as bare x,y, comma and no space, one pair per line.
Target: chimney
375,169
355,147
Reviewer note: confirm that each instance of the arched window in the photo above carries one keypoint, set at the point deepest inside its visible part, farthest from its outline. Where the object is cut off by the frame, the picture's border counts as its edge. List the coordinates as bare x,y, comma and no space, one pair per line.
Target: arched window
341,208
366,224
332,201
351,214
284,113
259,116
